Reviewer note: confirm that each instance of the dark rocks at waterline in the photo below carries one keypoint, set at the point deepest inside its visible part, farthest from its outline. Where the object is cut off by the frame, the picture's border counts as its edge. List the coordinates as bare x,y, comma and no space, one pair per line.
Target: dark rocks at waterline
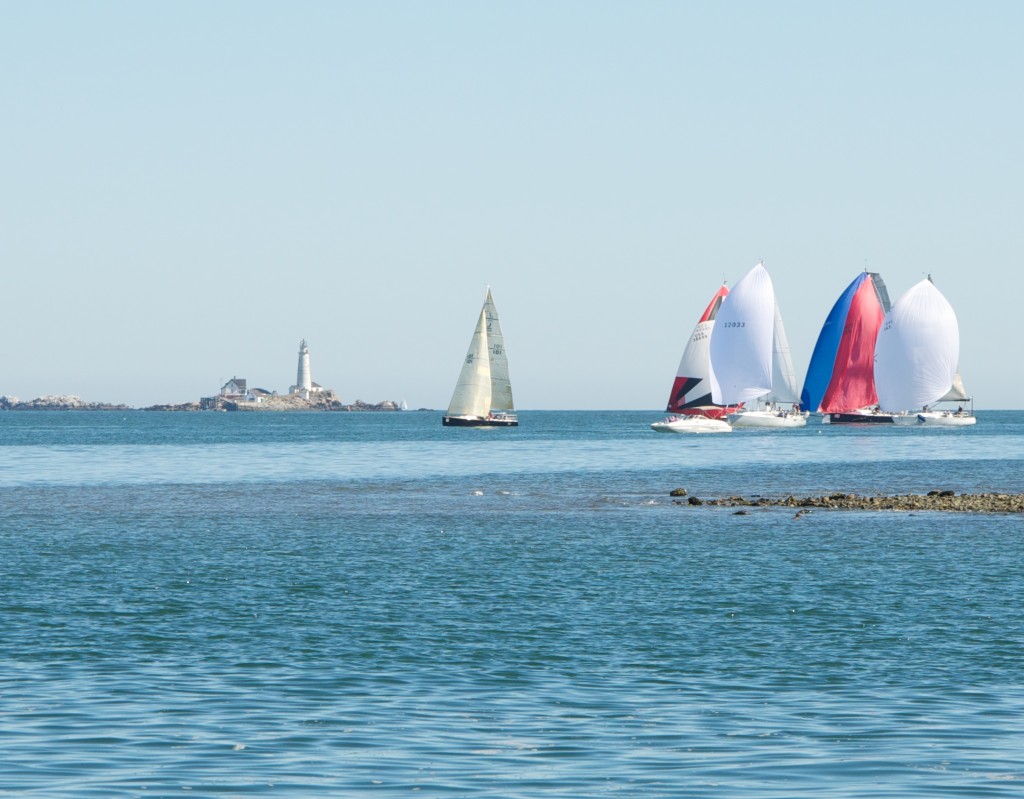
677,492
175,406
947,501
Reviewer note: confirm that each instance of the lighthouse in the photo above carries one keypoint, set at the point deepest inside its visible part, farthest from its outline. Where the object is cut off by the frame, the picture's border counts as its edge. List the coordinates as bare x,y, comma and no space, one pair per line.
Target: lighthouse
303,381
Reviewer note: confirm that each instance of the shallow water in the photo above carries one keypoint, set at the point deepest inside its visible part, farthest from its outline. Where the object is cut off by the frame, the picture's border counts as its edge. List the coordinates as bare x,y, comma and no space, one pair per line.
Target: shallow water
340,604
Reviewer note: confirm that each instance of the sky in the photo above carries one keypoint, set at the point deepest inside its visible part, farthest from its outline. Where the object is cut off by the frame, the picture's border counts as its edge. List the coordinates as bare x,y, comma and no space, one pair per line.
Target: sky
189,189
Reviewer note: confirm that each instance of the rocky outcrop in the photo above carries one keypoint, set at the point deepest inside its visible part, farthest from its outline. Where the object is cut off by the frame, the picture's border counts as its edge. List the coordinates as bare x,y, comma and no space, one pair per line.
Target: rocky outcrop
61,402
294,402
175,406
359,405
936,500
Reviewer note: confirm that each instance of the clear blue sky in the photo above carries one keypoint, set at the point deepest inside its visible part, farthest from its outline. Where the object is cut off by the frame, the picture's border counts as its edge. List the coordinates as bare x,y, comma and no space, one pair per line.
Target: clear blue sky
188,189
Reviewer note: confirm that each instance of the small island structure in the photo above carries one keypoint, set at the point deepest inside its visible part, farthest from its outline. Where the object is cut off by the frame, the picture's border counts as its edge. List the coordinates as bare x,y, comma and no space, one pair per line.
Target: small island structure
305,395
234,395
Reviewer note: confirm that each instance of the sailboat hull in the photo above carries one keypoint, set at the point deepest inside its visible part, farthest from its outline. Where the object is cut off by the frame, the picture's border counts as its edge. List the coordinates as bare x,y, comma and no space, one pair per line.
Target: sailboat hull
857,417
767,419
946,419
480,421
691,424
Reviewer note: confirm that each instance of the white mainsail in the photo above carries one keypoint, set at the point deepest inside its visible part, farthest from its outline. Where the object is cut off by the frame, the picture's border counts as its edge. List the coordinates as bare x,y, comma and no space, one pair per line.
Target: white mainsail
742,341
501,387
917,351
472,396
784,385
957,392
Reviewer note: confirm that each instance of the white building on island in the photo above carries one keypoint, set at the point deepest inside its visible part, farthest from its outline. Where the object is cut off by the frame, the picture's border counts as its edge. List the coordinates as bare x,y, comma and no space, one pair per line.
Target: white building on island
237,390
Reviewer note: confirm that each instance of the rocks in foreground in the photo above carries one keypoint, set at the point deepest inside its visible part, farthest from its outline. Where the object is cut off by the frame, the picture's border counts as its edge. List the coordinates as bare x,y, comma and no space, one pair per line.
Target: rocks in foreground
948,501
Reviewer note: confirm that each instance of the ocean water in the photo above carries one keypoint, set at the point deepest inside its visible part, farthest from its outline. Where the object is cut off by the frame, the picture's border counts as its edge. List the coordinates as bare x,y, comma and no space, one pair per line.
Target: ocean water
334,605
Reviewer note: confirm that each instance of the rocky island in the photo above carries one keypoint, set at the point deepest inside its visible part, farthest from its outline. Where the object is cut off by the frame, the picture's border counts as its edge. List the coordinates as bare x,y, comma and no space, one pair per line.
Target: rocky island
277,402
57,402
235,395
935,500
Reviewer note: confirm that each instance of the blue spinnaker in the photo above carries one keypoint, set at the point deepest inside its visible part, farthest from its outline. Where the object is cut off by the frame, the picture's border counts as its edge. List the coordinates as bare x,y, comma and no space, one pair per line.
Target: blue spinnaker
823,359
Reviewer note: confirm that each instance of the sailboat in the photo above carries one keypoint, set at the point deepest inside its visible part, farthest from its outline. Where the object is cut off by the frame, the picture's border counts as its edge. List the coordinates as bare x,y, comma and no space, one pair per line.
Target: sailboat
689,405
840,382
947,416
483,393
916,359
750,357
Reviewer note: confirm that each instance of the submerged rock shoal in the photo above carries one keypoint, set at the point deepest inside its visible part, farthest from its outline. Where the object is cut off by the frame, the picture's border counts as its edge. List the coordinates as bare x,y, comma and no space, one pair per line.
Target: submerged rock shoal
948,501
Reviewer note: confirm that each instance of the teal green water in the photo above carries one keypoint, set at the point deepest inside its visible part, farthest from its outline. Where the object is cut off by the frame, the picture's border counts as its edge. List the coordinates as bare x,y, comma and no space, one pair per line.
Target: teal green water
344,604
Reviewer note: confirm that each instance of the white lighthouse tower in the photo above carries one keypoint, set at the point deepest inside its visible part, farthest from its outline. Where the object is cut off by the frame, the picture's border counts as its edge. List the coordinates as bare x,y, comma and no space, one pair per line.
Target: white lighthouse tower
304,380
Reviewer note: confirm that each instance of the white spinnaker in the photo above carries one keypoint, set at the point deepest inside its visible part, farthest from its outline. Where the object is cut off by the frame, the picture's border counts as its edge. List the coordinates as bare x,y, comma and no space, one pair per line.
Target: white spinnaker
472,396
917,351
784,386
501,387
741,344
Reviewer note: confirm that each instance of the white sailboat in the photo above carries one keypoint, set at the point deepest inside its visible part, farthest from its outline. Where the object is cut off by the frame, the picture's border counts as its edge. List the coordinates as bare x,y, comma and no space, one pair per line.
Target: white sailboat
689,405
483,393
916,360
948,417
750,360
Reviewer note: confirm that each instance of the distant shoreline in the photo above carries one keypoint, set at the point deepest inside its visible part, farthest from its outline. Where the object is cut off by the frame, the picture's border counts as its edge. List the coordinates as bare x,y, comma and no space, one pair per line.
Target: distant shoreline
288,403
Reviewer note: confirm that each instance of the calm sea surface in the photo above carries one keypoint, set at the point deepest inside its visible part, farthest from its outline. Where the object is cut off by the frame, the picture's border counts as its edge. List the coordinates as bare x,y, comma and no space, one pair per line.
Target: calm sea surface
328,605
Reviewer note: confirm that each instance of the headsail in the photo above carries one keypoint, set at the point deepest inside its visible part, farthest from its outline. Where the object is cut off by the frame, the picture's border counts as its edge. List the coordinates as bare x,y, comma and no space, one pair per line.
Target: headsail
840,376
784,386
472,396
917,350
741,343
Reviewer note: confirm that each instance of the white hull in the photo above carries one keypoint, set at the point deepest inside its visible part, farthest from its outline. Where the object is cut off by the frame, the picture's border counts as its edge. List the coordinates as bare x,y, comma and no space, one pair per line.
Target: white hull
946,419
774,419
934,419
691,424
